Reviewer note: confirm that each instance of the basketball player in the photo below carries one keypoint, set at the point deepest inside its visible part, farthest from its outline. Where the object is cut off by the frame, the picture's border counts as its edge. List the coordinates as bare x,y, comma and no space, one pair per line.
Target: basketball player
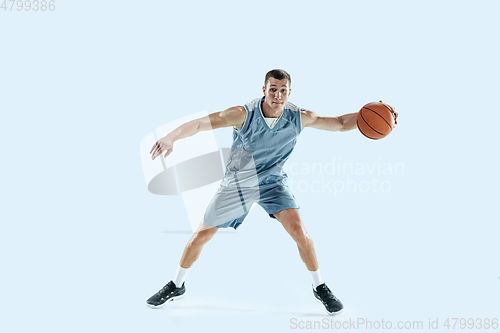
264,131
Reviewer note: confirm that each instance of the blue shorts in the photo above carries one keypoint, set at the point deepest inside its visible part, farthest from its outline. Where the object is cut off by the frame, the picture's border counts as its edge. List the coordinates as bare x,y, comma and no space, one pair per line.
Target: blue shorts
231,204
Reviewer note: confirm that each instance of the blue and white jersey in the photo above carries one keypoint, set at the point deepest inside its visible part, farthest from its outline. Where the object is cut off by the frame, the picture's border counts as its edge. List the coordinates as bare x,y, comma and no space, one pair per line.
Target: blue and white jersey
269,147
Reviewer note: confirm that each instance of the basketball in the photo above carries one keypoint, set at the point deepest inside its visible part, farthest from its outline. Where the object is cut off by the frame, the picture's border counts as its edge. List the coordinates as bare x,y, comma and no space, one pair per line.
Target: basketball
375,120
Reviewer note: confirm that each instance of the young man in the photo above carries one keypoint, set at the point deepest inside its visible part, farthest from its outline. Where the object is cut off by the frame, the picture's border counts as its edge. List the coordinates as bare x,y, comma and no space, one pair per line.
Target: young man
264,131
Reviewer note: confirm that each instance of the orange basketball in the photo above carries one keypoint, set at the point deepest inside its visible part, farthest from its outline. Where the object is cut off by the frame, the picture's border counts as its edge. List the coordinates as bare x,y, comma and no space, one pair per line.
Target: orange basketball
375,120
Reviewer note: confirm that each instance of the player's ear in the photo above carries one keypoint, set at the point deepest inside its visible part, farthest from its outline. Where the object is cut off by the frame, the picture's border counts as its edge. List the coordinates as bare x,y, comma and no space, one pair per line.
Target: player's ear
264,89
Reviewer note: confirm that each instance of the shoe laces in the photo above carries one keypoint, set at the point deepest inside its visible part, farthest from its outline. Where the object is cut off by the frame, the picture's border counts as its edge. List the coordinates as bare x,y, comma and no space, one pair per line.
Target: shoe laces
325,291
166,288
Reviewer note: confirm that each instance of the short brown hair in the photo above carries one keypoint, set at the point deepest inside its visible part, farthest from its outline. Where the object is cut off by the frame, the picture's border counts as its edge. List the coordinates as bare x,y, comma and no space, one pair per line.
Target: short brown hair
278,74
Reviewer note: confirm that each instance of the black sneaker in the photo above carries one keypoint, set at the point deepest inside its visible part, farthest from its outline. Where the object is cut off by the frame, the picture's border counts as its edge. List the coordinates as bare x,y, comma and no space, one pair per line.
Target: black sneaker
325,296
166,294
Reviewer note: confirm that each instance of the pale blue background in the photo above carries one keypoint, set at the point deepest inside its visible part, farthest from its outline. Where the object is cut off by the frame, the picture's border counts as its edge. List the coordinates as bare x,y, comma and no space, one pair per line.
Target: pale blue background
83,244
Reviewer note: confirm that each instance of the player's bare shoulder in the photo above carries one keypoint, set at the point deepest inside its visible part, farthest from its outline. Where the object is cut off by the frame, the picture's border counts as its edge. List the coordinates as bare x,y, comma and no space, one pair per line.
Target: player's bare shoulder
233,116
307,117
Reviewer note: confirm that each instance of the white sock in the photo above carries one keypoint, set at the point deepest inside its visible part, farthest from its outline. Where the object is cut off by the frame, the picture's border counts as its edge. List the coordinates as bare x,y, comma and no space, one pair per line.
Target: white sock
316,276
180,276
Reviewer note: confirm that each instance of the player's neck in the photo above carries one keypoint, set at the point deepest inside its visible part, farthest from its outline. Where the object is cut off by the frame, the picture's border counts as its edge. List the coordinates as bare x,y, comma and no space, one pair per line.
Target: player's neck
268,112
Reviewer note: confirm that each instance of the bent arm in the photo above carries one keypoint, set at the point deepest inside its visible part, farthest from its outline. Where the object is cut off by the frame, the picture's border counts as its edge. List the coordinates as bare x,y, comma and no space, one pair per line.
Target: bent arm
231,117
342,123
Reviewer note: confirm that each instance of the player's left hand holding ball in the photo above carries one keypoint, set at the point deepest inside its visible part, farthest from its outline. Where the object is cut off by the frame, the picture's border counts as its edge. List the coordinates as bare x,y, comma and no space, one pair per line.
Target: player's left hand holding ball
393,111
376,120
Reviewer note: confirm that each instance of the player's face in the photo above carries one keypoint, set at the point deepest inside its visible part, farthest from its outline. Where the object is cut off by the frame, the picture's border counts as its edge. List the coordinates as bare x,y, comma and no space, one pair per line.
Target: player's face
276,93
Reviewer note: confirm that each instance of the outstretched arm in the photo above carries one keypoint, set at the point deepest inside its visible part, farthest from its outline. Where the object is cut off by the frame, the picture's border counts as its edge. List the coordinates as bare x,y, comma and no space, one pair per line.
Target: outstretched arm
343,123
231,117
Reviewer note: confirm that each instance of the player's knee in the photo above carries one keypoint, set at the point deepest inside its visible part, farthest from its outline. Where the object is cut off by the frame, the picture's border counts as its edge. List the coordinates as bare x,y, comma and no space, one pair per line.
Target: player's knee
200,238
298,233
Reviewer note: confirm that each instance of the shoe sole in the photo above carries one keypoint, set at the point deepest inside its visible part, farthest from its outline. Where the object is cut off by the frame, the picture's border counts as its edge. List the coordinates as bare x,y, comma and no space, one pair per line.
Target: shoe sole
169,300
330,313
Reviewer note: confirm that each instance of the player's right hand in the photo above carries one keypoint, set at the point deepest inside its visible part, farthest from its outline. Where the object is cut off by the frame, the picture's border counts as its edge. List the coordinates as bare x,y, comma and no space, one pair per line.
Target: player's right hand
165,144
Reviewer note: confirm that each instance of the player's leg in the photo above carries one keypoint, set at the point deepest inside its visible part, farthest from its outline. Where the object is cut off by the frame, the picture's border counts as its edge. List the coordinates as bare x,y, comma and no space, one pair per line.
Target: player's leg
293,224
175,289
194,246
225,210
